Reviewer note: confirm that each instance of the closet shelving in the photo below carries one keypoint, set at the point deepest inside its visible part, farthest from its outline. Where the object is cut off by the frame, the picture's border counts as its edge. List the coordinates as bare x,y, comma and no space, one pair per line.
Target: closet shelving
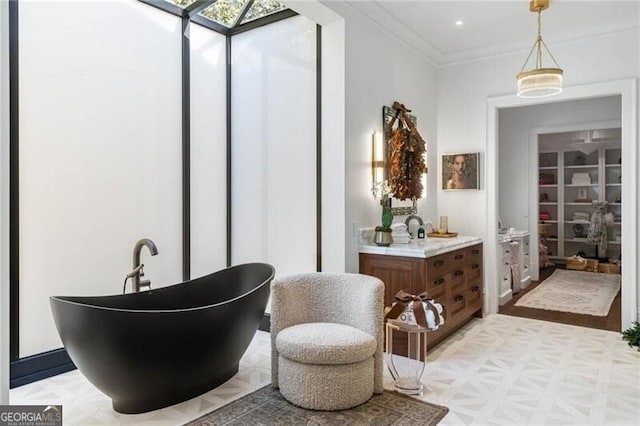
566,201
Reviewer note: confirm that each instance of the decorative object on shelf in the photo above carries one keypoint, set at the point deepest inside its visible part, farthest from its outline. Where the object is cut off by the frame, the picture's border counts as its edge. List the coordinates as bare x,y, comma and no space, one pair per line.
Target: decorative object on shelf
544,215
580,160
583,178
382,236
405,157
578,230
582,196
540,81
546,179
461,171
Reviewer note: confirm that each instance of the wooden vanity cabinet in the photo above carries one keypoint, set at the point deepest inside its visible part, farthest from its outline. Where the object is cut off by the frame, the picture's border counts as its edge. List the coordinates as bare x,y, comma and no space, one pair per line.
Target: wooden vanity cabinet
453,279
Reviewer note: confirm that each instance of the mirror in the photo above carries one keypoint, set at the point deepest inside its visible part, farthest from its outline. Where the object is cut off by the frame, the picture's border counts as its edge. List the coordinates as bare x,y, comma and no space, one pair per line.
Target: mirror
405,158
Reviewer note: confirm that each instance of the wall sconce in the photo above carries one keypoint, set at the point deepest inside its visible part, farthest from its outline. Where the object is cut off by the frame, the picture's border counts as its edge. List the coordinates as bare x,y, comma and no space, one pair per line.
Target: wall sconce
377,158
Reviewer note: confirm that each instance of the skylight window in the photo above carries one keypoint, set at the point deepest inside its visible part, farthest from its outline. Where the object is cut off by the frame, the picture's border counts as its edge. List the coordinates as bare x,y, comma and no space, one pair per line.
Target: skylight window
182,3
224,12
261,8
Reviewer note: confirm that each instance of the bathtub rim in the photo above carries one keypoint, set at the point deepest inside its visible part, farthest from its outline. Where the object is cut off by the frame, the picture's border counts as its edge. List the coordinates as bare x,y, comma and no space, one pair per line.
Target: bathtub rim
165,311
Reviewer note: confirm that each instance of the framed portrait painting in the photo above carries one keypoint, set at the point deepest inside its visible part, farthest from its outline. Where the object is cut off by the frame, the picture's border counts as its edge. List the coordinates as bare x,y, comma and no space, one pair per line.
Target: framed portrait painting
461,171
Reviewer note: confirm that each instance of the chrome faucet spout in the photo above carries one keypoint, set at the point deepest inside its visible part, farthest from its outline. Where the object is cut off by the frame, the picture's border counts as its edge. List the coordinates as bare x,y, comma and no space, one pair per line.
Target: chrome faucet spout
137,272
410,218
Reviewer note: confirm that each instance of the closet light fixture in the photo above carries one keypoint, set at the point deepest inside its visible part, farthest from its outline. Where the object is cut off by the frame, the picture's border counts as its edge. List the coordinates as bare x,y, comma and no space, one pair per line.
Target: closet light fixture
539,81
377,157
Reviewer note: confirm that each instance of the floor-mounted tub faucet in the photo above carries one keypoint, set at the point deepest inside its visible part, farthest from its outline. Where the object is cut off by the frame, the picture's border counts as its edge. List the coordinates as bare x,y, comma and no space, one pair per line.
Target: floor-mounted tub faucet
138,272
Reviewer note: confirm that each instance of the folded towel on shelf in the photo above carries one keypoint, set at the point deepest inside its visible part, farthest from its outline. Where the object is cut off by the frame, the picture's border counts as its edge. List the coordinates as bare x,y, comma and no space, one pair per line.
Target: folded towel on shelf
398,227
401,239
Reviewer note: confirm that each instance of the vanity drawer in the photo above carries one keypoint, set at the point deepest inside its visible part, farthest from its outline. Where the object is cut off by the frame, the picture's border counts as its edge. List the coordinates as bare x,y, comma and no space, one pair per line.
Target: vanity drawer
437,286
474,253
457,280
474,271
455,305
439,265
474,296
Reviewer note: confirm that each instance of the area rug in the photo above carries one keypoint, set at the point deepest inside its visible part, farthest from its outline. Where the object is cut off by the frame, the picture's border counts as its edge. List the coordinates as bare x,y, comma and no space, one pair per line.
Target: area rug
578,292
267,407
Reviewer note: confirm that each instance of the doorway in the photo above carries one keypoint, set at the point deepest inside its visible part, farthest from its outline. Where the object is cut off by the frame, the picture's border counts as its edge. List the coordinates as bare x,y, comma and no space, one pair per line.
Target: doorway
626,89
579,176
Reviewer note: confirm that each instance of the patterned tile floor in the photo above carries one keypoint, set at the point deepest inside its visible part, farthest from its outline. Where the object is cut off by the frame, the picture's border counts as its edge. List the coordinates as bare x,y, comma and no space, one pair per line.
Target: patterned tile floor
500,370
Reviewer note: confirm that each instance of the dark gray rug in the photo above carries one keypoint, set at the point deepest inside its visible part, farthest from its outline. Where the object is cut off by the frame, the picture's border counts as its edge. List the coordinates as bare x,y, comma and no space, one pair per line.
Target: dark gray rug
267,407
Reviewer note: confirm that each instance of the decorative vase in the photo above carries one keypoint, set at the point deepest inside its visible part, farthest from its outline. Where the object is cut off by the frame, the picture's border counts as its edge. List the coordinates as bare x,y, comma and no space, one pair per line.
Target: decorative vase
382,238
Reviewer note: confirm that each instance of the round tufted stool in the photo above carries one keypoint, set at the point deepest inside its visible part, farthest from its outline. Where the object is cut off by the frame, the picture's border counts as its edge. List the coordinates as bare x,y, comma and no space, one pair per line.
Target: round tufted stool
325,366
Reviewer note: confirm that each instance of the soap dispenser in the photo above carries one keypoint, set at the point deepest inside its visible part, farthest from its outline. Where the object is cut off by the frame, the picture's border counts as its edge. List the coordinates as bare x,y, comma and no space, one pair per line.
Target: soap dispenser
421,232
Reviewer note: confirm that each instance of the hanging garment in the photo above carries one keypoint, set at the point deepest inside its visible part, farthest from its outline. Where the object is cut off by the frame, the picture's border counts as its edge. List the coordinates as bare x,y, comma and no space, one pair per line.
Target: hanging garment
598,228
514,255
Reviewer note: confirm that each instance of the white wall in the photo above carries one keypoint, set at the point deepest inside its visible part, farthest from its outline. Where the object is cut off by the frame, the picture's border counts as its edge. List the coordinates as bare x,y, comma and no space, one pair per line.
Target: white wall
463,90
4,203
380,69
208,151
514,152
100,152
274,146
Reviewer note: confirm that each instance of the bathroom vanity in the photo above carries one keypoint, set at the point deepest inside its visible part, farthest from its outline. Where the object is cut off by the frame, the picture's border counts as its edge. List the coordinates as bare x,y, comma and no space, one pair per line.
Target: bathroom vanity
449,270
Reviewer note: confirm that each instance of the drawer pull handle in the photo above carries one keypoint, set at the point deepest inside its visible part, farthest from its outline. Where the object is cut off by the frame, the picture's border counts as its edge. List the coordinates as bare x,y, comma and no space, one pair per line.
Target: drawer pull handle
475,289
506,251
476,266
475,251
438,282
459,256
459,298
458,273
438,263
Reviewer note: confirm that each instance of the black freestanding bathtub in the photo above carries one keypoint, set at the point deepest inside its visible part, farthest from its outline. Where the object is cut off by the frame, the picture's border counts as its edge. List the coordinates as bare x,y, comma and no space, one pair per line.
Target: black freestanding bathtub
156,348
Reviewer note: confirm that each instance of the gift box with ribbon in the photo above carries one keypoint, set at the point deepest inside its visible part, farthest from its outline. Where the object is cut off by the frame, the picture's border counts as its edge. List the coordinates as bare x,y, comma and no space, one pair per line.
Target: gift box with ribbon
417,310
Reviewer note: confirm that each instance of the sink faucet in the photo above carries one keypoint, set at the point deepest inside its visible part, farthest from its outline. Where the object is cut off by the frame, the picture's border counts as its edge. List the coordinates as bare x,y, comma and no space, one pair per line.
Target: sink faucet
413,217
137,272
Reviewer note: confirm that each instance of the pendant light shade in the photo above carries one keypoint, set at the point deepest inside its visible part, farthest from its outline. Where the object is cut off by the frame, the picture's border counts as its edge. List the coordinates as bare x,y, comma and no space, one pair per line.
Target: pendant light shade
540,81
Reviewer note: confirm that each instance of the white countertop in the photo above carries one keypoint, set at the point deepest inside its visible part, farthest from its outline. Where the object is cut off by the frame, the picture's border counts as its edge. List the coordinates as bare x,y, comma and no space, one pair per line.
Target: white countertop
422,247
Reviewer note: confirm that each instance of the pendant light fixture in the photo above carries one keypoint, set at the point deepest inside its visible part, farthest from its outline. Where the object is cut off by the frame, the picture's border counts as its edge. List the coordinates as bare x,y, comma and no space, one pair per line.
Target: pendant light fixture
540,81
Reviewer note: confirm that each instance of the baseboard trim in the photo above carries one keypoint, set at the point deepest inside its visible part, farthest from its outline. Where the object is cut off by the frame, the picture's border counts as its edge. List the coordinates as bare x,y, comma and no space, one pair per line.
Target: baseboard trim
38,367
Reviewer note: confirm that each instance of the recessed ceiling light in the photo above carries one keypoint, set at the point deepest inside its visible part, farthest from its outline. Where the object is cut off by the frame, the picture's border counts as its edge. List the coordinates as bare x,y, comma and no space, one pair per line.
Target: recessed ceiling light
459,23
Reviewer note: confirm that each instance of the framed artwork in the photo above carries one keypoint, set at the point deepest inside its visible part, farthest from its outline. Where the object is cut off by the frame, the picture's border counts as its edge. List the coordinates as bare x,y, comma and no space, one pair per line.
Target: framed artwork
461,171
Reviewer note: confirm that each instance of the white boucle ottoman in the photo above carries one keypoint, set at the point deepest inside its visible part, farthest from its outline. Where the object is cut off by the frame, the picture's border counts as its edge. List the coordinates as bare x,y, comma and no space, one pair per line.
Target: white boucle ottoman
325,366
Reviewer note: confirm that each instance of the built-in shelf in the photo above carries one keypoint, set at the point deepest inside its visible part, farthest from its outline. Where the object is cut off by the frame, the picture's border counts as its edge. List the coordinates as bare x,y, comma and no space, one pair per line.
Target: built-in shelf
614,242
567,197
584,166
575,240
